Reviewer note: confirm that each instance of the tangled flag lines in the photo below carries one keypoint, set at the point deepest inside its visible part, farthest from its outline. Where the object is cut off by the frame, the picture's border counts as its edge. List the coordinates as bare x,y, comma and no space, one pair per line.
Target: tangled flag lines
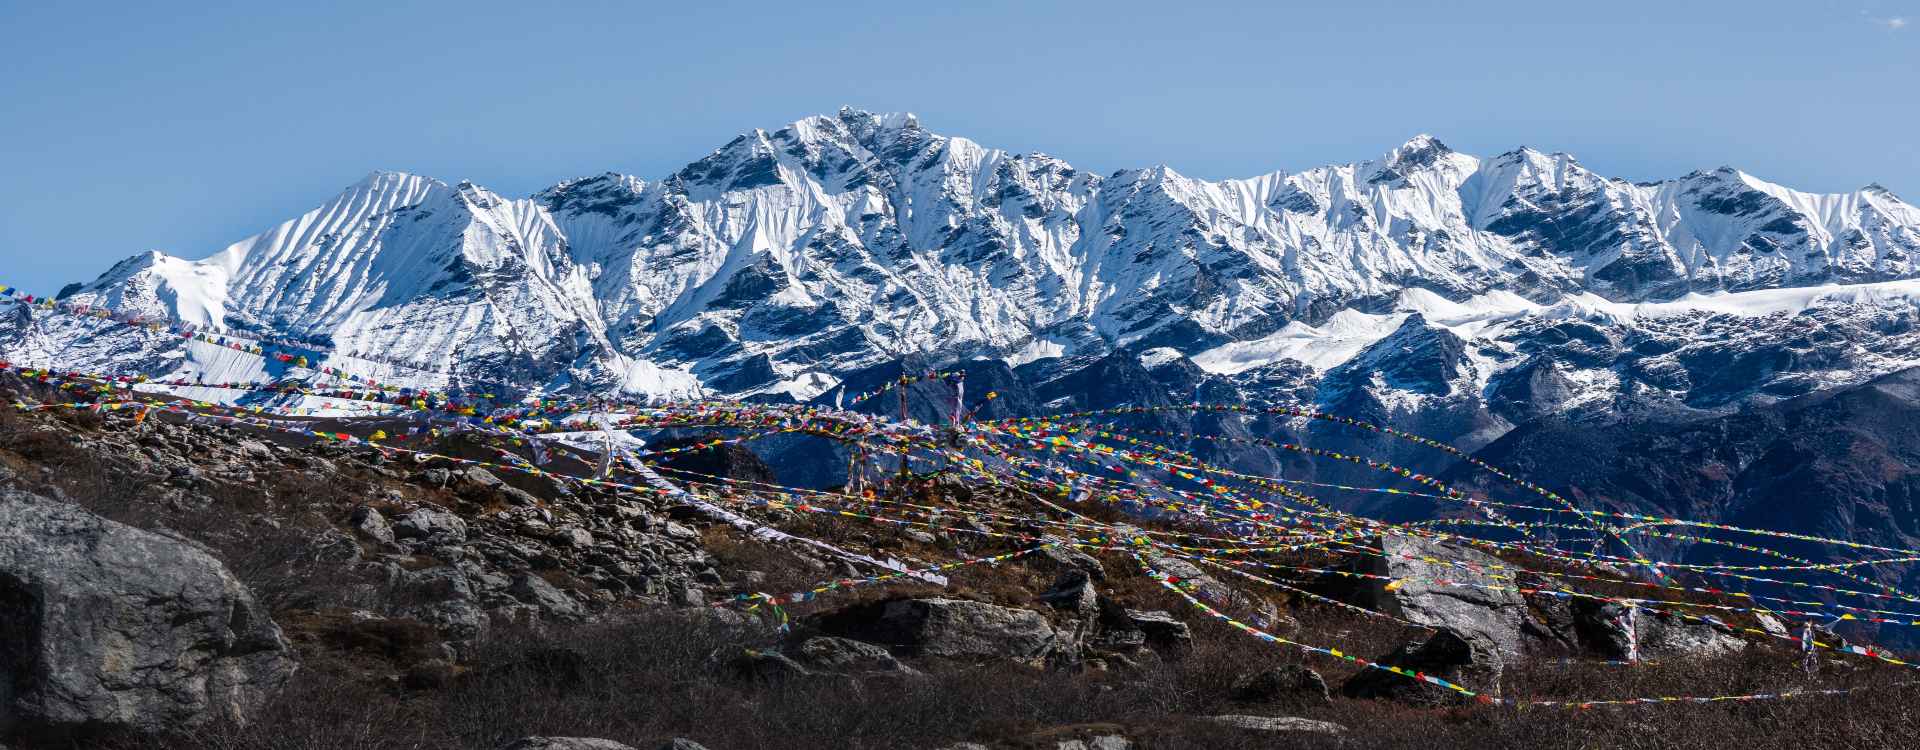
1253,526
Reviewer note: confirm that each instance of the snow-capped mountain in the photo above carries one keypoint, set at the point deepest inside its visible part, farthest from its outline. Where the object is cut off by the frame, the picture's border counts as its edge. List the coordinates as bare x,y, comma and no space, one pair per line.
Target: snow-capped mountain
786,260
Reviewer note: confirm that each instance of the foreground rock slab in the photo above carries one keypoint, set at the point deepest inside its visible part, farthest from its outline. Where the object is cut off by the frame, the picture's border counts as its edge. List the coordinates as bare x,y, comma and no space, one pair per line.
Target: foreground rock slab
1277,724
566,743
107,627
1437,584
953,628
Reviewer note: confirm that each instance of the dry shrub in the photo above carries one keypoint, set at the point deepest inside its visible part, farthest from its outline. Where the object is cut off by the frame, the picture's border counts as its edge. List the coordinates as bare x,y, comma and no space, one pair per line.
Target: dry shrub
666,675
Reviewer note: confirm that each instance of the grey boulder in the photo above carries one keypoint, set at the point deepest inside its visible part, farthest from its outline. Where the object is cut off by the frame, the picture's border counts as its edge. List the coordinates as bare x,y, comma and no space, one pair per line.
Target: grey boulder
1101,742
827,653
1277,724
534,590
953,628
371,524
1439,584
436,526
1666,635
565,743
1212,591
104,626
1447,655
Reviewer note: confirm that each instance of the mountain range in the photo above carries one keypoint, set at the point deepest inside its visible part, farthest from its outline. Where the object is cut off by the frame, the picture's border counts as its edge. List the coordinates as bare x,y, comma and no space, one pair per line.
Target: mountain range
1714,346
1426,287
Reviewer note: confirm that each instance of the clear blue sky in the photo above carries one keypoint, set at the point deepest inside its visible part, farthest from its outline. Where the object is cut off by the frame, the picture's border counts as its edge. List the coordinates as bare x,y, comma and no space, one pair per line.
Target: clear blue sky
159,126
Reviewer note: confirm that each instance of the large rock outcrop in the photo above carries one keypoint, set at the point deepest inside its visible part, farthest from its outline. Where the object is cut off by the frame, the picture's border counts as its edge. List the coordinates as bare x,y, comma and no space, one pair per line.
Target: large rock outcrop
104,626
953,628
1436,584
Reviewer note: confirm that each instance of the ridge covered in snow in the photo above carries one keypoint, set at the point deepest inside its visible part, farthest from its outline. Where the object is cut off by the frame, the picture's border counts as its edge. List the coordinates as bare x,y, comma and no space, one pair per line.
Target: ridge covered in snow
1348,332
784,260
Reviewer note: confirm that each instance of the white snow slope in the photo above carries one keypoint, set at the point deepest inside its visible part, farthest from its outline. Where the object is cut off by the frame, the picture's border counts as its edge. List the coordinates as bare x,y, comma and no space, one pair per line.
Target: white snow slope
785,259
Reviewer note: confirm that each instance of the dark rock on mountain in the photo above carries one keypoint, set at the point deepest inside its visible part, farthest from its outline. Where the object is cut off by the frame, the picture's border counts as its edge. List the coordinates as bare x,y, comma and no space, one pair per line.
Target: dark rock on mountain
1278,724
846,655
1212,591
1670,635
729,461
1073,592
431,525
1161,629
813,462
1117,379
1417,357
821,657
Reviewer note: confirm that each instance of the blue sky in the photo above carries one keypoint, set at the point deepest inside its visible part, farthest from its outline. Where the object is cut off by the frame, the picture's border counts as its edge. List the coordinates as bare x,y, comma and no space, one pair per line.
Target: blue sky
183,129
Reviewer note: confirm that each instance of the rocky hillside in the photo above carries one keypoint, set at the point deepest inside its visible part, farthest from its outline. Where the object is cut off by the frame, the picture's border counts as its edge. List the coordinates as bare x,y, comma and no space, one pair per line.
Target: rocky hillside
298,592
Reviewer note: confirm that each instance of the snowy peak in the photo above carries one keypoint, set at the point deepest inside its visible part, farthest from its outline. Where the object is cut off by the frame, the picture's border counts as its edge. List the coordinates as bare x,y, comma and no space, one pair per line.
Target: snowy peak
785,259
1417,153
160,285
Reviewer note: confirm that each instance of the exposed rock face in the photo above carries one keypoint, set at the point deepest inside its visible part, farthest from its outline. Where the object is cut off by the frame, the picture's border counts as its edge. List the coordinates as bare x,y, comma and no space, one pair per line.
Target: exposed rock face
846,655
769,666
1578,625
1161,628
1771,624
729,461
1669,636
1436,584
534,590
1065,558
1074,592
441,597
1211,590
1446,655
371,524
104,626
1076,737
1449,586
954,628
